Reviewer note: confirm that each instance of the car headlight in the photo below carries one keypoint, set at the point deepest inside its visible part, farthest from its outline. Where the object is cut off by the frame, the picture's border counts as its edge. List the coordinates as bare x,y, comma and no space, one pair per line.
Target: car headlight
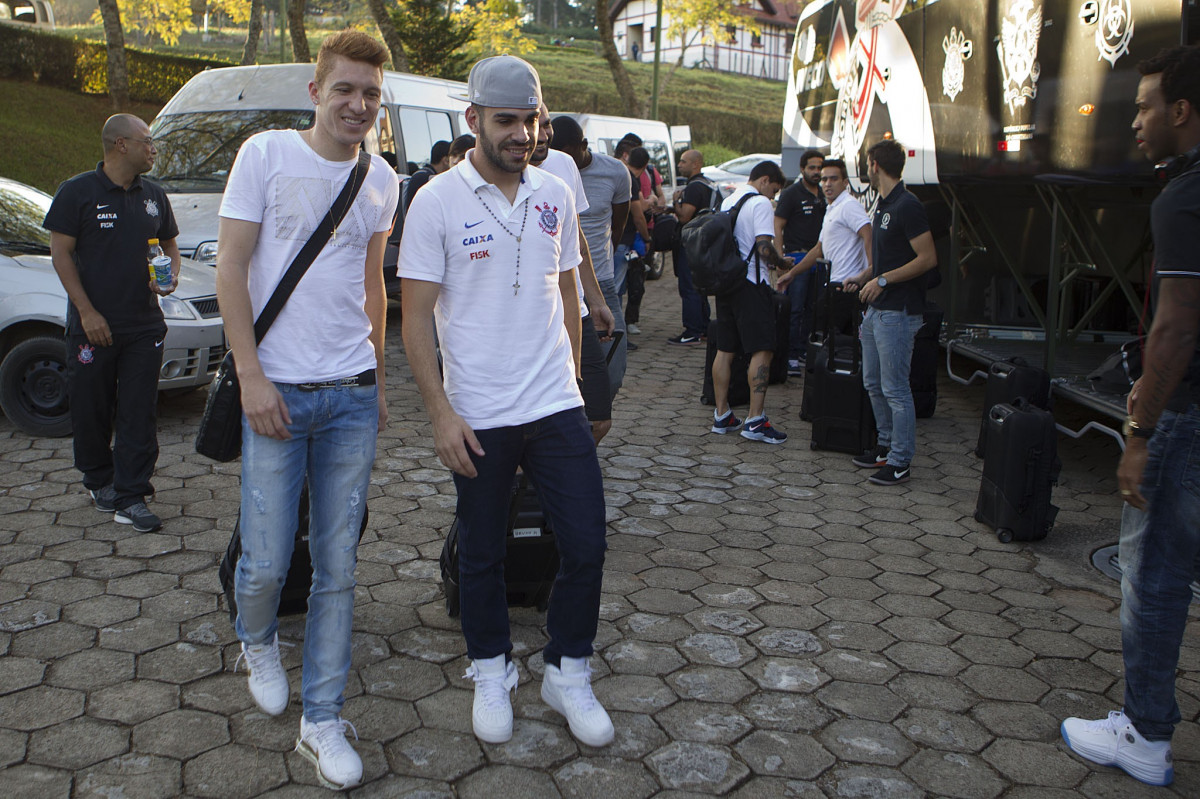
174,308
206,252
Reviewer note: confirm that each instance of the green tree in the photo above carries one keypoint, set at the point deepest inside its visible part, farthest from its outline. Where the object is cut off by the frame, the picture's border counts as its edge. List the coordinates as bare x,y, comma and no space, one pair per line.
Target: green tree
114,38
696,21
156,20
497,25
433,42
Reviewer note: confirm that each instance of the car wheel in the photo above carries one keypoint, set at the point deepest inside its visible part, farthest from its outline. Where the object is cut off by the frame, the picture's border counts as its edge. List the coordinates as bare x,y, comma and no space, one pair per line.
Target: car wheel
33,387
654,266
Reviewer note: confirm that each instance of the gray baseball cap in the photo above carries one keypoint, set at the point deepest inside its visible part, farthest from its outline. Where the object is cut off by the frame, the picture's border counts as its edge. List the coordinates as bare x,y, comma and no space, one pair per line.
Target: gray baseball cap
503,81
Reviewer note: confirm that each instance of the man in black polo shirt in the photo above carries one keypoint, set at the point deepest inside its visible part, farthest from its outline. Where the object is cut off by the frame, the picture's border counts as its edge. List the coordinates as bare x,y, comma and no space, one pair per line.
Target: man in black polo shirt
798,217
699,194
100,223
894,289
1160,523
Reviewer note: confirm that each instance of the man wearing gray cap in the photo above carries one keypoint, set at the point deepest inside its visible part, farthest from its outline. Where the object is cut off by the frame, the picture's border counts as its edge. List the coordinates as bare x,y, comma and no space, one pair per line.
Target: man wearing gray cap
494,269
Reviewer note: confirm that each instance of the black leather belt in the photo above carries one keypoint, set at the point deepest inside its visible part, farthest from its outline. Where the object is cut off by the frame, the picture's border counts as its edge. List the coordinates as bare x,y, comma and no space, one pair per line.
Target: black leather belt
366,378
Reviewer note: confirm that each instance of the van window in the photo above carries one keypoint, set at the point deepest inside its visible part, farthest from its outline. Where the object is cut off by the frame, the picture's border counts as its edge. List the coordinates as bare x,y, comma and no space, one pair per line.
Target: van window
196,150
420,128
660,155
382,139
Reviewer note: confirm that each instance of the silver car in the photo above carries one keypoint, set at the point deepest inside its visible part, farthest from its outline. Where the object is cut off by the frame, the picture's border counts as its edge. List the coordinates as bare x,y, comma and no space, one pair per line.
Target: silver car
733,173
33,318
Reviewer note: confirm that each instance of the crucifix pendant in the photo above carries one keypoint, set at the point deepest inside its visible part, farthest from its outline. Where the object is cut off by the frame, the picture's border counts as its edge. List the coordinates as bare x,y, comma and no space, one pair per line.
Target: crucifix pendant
516,287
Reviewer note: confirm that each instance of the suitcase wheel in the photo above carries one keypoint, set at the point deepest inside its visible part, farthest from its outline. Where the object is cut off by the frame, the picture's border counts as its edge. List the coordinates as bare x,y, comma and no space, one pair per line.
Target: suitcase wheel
812,445
1004,534
978,517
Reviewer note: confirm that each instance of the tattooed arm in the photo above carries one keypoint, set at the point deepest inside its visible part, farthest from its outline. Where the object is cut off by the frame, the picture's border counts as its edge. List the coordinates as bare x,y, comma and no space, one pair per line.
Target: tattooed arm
765,248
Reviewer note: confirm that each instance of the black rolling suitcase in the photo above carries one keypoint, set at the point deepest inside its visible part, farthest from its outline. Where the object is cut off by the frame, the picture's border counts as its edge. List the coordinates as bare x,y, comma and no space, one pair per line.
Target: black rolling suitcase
1019,472
842,420
531,557
923,371
293,598
739,387
1007,381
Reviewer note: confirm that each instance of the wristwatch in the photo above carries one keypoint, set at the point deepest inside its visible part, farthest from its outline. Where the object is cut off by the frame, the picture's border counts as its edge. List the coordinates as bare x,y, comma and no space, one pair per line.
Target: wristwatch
882,281
1132,428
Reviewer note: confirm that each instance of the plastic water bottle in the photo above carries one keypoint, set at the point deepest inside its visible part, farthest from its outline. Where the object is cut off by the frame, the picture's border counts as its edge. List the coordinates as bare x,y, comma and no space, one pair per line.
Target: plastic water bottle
160,263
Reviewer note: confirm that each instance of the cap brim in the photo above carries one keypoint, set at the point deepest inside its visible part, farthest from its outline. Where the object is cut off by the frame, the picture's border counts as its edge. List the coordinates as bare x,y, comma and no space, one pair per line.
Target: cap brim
459,95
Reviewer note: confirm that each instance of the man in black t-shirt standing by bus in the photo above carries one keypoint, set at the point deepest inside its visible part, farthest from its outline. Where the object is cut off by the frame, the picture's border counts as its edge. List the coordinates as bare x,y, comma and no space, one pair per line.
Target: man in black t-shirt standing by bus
894,289
698,195
798,217
100,223
1160,523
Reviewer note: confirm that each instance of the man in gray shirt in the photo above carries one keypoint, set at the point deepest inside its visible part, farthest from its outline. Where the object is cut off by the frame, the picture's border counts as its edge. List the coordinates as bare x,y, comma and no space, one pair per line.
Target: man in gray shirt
607,185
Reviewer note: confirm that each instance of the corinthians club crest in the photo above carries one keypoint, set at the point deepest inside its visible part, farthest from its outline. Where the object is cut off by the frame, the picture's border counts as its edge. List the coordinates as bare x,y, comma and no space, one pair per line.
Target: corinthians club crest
151,208
1017,48
958,49
547,218
1114,26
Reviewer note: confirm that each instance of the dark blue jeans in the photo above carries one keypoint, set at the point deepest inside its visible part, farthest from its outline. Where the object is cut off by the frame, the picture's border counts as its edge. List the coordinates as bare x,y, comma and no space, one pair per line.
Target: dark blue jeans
1160,557
798,326
559,456
696,313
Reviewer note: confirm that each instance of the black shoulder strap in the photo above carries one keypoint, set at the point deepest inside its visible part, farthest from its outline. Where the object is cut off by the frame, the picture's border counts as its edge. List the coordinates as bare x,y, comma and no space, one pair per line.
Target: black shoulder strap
312,248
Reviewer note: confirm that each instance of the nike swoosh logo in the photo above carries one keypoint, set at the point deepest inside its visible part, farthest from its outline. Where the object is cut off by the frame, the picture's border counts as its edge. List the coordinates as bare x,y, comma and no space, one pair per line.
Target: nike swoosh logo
902,474
472,224
101,207
158,344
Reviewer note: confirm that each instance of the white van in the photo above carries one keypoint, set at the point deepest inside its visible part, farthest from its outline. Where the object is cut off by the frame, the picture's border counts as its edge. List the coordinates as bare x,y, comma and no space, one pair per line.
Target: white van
199,131
603,133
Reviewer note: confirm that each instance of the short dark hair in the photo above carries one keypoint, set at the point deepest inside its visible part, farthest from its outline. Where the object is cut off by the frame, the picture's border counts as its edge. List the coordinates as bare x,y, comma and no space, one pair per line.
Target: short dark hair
769,169
567,133
439,151
836,163
461,144
809,155
633,139
639,157
889,154
1180,68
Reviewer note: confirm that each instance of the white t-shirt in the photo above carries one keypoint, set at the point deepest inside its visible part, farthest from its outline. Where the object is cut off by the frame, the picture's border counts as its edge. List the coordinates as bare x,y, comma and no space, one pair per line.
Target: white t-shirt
279,182
506,355
563,167
757,218
607,183
840,243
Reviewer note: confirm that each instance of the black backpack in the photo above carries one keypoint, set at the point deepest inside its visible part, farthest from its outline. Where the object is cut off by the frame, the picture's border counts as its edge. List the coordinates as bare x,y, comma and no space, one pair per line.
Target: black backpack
712,251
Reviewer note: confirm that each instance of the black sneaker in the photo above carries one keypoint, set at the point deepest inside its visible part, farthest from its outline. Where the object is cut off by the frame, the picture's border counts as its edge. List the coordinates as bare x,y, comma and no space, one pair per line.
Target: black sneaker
872,458
891,475
105,499
684,338
139,516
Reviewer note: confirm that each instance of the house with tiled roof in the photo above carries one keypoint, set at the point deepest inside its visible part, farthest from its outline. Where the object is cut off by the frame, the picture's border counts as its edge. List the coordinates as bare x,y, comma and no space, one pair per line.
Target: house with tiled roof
736,50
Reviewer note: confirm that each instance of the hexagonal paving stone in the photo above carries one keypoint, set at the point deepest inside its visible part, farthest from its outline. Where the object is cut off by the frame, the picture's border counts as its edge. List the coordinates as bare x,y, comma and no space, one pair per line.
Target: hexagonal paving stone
435,646
134,701
142,585
996,682
787,643
38,707
710,684
870,782
638,657
778,674
437,754
927,690
378,719
926,659
493,781
29,780
1034,763
402,678
704,721
733,622
874,702
945,731
872,742
139,635
953,774
697,767
181,734
604,778
132,776
178,605
180,663
19,673
77,743
91,669
773,753
787,712
12,748
717,650
53,641
634,693
233,772
535,744
102,611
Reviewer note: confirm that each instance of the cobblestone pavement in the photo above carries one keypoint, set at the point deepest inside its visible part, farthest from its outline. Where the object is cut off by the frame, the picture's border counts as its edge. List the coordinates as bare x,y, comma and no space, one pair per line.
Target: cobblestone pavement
771,625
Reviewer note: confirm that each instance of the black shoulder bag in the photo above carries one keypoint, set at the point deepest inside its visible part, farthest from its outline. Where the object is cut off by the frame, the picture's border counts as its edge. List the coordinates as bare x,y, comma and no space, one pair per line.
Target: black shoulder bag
220,434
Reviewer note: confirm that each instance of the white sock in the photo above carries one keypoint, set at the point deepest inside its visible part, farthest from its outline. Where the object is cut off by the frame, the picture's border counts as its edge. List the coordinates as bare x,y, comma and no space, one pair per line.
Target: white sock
722,416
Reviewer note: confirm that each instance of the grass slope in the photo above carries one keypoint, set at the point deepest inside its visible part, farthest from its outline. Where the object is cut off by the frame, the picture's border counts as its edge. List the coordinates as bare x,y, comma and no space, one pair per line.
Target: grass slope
57,135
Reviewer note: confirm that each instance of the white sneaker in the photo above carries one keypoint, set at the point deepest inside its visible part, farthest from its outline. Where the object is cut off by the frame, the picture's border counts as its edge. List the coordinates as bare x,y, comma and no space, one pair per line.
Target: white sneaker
1114,741
568,689
632,329
491,715
268,680
324,743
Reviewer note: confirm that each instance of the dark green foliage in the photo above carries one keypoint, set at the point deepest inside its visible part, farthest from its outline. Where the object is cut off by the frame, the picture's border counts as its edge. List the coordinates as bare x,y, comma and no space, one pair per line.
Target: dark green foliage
433,40
68,63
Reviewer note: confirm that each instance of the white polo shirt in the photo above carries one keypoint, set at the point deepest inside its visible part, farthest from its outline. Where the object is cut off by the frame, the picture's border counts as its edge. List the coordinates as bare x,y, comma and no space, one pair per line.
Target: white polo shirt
505,352
563,167
757,218
840,243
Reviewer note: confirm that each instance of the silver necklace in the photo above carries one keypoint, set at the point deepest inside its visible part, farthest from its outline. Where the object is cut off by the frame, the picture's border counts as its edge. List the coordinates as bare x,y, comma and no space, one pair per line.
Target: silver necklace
517,278
335,218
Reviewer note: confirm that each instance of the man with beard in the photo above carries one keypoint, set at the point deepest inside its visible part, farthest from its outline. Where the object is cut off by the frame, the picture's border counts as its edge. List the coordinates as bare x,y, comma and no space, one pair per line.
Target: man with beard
493,268
1160,525
798,216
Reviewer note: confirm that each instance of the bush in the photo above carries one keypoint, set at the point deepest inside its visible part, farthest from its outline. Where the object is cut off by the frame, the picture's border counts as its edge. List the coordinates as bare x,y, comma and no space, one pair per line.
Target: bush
82,66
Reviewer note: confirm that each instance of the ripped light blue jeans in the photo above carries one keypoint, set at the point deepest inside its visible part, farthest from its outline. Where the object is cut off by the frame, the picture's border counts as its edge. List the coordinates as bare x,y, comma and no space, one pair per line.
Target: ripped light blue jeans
333,442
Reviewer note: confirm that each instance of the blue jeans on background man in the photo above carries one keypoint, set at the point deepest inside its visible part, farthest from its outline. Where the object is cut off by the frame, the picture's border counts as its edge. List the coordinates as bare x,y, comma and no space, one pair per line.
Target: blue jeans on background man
696,313
558,455
798,327
333,443
887,345
1160,557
